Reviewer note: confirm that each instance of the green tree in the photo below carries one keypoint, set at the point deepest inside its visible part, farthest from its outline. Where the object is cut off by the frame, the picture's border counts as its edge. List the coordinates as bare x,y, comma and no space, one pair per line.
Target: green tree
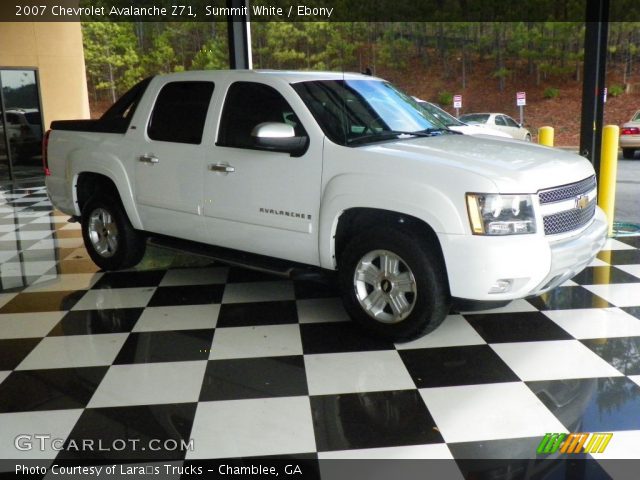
112,62
212,56
395,49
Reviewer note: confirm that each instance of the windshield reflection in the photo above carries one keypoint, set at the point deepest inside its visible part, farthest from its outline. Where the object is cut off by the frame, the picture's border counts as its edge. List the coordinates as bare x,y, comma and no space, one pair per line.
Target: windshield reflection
363,111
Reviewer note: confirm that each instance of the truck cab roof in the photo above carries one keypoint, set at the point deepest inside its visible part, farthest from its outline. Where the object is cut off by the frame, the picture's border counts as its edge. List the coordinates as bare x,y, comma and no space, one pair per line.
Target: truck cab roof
286,75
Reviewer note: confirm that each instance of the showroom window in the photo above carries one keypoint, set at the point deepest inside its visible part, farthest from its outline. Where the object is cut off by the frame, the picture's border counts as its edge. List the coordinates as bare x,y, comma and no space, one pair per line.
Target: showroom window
249,104
180,112
20,124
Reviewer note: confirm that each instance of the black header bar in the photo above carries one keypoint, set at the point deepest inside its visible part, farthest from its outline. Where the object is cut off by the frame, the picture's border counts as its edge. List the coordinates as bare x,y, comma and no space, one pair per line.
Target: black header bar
312,10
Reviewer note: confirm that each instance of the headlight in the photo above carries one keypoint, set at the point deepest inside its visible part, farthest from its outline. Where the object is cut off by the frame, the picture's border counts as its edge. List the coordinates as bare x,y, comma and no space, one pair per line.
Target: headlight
495,214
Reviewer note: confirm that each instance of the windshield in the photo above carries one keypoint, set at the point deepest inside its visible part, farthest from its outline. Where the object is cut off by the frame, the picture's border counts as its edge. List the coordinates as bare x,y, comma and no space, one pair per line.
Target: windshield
472,118
445,117
356,112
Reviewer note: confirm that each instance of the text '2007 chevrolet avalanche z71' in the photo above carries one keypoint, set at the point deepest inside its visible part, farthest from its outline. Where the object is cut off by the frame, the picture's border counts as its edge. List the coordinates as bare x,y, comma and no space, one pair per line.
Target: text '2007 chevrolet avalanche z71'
294,171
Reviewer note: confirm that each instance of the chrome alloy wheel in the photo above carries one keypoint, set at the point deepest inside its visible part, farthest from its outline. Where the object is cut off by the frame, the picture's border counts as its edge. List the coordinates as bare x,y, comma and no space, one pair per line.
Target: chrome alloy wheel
103,232
385,286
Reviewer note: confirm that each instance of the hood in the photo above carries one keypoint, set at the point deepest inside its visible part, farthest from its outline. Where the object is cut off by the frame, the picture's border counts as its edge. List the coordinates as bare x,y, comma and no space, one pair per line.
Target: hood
476,130
514,166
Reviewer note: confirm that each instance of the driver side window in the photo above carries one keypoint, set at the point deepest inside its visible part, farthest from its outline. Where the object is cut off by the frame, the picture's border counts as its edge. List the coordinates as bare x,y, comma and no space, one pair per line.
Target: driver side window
248,104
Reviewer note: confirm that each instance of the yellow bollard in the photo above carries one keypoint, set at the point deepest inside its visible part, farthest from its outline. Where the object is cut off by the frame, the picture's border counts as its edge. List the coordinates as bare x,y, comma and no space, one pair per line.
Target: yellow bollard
545,136
608,172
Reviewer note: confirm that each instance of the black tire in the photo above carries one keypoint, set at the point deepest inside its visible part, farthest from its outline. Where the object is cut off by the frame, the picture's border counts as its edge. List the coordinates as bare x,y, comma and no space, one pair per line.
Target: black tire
628,153
130,244
431,301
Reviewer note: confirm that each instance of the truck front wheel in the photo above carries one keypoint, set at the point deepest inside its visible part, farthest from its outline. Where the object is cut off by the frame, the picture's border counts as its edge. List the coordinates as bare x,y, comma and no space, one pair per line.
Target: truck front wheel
393,285
109,237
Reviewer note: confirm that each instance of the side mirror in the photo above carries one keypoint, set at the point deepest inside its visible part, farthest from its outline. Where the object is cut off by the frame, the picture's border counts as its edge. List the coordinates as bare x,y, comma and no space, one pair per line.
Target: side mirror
279,137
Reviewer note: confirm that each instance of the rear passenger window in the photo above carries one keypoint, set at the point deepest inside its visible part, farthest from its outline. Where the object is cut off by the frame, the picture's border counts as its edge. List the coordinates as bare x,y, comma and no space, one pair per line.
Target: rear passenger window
180,112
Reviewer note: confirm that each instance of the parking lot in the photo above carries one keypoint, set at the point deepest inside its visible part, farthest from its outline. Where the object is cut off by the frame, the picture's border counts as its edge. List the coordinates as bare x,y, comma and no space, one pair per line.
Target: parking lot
628,191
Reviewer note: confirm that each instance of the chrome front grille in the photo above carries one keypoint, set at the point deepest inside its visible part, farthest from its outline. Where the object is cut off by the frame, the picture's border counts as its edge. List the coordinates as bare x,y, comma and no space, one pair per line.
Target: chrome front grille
568,220
568,207
566,192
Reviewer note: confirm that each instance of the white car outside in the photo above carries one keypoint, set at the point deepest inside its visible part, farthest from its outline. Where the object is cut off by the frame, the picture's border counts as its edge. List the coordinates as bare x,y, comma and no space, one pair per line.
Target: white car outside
630,136
498,121
452,123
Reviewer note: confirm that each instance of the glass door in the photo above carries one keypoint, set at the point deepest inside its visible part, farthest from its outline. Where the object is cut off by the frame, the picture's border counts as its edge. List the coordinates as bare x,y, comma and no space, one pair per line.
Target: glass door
21,125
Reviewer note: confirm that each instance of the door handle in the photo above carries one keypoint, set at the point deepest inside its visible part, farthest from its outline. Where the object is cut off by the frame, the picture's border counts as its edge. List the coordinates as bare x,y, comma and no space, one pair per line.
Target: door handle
221,168
148,158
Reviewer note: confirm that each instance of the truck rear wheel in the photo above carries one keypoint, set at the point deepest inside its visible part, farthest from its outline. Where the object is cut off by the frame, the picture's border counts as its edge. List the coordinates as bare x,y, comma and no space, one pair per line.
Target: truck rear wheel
109,237
628,153
392,285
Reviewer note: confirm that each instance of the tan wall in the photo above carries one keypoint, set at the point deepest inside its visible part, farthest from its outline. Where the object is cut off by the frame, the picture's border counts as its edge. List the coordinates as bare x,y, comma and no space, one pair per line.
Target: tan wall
55,49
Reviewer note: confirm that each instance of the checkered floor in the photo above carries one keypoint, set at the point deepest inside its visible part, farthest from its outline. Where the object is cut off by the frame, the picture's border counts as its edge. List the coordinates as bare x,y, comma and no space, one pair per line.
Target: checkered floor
249,365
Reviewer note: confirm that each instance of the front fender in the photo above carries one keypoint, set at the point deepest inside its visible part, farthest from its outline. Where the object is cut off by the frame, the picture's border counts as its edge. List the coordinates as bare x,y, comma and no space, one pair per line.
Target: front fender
425,202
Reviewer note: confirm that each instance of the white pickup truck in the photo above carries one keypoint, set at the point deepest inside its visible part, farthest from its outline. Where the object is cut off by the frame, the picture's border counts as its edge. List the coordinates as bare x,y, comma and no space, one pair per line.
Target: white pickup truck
297,172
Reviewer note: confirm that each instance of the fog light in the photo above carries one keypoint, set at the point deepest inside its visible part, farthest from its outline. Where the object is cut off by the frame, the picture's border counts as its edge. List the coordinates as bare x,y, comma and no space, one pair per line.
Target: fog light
501,286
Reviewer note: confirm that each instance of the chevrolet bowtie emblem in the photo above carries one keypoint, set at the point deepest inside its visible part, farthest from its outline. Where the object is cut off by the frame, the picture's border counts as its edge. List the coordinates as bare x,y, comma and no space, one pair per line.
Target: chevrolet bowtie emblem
582,201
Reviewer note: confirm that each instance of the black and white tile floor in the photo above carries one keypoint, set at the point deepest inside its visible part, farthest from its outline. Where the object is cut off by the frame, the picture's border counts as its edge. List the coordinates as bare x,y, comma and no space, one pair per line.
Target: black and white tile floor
249,365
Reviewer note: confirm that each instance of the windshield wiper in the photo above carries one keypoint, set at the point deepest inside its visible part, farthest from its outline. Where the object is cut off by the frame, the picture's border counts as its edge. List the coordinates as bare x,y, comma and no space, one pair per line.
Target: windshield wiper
384,134
433,131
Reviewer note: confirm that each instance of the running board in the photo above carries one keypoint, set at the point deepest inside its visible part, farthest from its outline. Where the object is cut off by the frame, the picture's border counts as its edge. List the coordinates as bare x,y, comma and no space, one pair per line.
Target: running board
252,261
